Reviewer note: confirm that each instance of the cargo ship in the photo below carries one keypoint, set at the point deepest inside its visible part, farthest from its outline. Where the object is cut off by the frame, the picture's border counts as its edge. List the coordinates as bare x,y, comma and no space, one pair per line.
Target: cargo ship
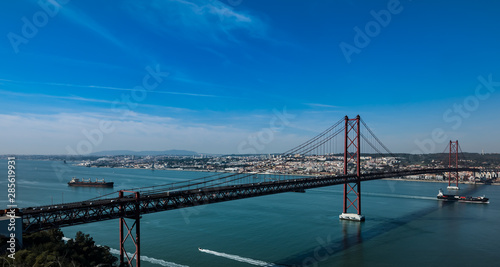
442,196
88,183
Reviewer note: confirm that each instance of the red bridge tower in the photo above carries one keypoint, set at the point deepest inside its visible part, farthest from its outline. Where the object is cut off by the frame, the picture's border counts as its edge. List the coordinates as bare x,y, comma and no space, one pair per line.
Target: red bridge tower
352,191
453,164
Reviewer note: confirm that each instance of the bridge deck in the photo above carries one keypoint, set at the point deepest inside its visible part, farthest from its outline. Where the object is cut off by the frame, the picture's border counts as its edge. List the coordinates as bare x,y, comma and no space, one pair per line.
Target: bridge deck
68,214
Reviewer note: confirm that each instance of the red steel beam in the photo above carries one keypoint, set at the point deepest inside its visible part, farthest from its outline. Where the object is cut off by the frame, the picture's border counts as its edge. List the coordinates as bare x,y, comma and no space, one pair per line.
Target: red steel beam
136,241
352,126
453,162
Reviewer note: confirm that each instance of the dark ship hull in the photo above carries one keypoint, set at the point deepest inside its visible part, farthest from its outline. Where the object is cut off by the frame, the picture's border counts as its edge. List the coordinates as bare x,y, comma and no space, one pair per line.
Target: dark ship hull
89,183
458,198
92,184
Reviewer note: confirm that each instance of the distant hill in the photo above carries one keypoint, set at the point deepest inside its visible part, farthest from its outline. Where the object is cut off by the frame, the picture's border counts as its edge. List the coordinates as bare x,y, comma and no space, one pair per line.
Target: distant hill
173,152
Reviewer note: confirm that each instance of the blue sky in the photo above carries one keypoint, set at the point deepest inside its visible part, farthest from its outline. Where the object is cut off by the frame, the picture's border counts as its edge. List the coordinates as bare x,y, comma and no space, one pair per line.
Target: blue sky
218,72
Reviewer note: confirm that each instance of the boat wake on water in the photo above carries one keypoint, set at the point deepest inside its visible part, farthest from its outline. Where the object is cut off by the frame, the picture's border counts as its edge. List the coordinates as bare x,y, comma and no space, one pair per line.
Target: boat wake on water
238,258
143,258
399,196
150,260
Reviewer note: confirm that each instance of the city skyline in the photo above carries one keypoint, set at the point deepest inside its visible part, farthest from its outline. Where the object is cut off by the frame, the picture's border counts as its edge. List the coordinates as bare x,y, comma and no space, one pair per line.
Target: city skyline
211,76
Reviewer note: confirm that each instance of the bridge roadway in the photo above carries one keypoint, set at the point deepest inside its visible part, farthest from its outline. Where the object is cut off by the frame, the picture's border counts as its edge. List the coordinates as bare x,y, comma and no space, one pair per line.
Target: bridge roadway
69,214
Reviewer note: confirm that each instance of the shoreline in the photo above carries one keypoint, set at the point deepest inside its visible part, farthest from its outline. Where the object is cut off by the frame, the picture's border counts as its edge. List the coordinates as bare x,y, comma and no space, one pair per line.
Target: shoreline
435,181
221,171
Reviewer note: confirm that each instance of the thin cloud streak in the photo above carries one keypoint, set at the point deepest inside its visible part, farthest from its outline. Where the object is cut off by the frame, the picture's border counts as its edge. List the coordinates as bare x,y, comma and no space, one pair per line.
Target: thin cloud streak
197,19
74,98
87,22
321,105
139,132
91,100
113,88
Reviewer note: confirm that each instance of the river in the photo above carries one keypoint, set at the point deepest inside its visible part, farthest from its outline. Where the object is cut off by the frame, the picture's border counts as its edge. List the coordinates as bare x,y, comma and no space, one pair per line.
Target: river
405,224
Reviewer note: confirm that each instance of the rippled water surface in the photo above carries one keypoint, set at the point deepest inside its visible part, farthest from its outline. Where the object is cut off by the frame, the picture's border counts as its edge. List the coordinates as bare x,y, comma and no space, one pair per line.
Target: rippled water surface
405,224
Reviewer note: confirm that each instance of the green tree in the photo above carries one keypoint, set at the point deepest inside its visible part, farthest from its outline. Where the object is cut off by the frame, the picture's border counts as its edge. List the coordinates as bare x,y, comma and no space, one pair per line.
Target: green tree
48,249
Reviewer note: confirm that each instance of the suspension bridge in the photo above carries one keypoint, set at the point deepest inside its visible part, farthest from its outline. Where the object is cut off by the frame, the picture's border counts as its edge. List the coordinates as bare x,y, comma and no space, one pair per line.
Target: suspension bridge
337,151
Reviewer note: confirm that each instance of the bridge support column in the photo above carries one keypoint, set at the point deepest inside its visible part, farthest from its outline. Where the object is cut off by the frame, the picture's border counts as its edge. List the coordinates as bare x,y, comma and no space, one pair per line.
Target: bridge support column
127,259
352,190
453,164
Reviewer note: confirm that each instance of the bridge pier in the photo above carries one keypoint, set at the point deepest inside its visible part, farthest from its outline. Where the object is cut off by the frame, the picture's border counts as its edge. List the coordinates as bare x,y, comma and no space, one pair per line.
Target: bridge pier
125,258
352,217
453,163
352,139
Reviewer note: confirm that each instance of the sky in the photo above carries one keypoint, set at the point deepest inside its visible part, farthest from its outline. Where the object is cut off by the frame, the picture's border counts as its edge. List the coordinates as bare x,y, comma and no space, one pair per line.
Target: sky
246,76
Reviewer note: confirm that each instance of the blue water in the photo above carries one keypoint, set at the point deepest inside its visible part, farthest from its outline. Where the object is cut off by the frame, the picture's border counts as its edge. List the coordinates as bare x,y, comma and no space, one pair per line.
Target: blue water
405,224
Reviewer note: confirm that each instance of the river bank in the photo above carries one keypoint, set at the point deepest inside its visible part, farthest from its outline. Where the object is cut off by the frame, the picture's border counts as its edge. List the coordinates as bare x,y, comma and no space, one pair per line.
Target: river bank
436,181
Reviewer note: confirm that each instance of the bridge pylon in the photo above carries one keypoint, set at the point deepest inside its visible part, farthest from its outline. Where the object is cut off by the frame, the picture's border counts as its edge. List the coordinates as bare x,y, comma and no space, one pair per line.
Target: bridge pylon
352,190
453,164
127,259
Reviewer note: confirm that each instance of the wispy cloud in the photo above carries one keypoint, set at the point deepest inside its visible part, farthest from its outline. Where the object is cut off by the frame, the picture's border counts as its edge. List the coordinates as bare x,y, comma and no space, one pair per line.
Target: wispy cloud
110,88
38,95
82,19
87,22
51,133
321,105
75,98
198,19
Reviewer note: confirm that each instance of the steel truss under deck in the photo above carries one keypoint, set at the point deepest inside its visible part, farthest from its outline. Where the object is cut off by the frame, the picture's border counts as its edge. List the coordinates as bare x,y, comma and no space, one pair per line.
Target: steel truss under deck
69,214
